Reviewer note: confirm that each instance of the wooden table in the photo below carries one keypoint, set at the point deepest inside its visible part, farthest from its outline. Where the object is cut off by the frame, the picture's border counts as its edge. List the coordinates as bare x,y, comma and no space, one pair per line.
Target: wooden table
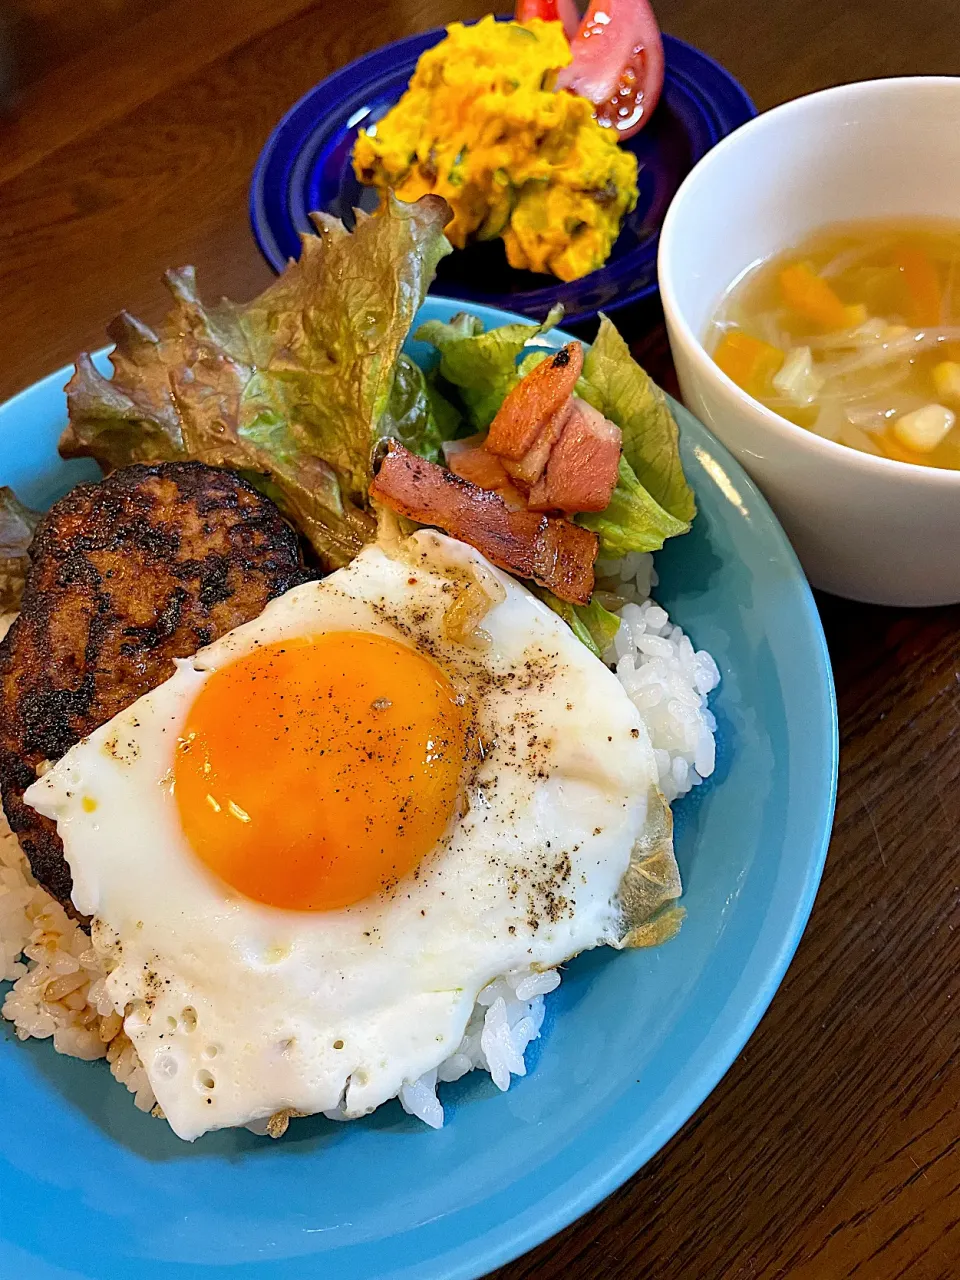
832,1148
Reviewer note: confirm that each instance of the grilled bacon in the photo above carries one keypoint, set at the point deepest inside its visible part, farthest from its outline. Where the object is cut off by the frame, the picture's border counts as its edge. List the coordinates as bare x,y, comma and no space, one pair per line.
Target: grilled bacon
556,448
532,401
471,461
554,552
532,465
581,472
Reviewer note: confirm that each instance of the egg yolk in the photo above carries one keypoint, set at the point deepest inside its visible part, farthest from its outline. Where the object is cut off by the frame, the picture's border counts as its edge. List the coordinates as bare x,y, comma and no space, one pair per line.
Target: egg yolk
315,772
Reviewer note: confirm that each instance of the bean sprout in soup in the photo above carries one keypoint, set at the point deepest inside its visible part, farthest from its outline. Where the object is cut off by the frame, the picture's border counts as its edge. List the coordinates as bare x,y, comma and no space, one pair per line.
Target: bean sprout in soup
855,335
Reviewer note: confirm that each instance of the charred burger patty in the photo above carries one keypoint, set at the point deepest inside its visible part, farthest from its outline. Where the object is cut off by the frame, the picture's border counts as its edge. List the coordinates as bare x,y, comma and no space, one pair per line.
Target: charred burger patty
149,565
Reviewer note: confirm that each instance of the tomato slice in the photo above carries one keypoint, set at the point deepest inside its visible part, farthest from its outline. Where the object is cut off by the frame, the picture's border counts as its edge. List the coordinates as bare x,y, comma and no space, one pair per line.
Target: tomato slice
564,11
617,63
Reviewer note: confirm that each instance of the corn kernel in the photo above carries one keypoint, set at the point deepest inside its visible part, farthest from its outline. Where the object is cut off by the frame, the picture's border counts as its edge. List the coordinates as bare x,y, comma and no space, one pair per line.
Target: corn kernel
923,429
946,379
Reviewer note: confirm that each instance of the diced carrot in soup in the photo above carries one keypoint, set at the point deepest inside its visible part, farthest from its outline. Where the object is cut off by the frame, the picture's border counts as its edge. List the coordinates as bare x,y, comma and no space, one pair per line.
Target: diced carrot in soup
811,296
855,334
921,285
749,361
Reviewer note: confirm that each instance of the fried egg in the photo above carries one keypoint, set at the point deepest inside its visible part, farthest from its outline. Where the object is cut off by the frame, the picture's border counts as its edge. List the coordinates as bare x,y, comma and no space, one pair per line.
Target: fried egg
308,851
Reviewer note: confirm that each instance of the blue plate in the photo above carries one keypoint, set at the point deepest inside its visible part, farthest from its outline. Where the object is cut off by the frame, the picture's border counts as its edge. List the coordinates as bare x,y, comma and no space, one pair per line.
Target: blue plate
305,165
633,1042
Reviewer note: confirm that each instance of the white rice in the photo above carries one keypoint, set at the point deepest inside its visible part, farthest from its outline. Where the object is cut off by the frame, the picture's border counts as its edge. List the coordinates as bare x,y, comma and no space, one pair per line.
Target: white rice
508,1015
58,990
667,680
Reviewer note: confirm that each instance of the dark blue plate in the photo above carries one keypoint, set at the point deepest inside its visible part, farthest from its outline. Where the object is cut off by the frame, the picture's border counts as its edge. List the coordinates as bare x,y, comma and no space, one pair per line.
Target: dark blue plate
305,165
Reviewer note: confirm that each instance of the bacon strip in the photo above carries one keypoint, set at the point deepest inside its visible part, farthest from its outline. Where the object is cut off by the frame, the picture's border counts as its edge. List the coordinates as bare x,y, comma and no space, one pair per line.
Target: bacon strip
532,401
532,465
471,461
556,553
581,473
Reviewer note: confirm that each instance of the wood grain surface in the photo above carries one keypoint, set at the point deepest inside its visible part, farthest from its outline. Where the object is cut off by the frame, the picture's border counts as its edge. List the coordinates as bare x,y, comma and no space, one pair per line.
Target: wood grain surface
832,1148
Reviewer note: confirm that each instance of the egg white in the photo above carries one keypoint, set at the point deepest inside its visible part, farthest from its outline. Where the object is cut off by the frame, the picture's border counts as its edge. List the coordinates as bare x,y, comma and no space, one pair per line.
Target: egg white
240,1010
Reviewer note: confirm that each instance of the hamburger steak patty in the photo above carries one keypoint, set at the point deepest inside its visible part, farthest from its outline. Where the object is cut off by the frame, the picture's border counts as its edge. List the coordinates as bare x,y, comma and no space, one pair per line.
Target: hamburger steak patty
148,565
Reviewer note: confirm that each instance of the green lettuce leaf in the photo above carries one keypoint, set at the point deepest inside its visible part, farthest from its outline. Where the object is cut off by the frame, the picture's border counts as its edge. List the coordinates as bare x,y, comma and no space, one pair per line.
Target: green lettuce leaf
592,624
289,389
17,525
598,624
481,364
615,384
633,521
417,414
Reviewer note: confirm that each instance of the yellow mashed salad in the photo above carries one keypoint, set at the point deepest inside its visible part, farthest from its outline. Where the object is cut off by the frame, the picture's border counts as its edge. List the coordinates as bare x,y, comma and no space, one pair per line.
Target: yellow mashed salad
483,126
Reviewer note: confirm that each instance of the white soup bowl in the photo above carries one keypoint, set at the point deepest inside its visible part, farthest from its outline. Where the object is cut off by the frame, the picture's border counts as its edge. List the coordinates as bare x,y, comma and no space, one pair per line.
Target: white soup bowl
864,527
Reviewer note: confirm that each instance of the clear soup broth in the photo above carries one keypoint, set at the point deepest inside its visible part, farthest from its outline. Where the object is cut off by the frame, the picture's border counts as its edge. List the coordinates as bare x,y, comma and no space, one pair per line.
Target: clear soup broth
855,334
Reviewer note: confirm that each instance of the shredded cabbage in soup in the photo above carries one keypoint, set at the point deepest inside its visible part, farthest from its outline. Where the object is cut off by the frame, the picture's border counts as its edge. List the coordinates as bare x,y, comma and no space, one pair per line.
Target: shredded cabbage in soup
855,334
